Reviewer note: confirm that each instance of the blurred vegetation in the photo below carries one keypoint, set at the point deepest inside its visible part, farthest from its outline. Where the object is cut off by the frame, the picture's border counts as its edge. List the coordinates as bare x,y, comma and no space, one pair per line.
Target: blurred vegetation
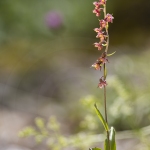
125,112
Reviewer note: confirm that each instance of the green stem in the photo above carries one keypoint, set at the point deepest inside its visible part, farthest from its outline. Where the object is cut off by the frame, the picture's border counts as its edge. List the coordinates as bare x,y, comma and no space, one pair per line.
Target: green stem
106,116
106,49
105,104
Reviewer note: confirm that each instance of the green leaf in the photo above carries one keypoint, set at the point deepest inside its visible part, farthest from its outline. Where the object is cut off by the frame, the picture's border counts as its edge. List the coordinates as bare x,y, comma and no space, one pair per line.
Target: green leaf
101,118
95,148
106,146
111,54
112,138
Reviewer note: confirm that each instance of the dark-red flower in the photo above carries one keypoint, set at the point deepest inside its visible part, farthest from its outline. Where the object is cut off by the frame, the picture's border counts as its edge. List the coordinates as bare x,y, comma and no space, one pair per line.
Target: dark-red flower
97,66
103,59
109,18
97,11
102,23
98,45
97,30
100,61
96,4
102,82
101,35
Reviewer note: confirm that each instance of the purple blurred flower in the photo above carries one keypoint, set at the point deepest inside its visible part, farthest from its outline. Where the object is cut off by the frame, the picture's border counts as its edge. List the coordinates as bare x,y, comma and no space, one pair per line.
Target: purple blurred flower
54,20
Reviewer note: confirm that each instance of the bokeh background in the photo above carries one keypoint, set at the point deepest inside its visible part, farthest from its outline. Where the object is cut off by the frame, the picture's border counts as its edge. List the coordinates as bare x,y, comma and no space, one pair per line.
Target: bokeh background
46,50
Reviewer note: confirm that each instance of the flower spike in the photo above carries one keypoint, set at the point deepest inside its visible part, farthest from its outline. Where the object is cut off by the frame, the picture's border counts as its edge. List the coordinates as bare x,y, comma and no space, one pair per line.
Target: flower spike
103,36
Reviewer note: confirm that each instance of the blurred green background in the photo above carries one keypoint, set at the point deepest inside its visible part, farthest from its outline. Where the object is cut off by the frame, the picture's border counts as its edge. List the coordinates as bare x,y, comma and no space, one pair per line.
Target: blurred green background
46,50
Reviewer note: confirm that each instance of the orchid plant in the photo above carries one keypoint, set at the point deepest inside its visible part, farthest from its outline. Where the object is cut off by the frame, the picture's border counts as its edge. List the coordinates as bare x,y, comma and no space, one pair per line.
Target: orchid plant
103,36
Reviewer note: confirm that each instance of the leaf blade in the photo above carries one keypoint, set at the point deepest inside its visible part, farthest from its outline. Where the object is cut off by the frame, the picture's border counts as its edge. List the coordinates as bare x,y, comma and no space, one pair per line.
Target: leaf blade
96,148
112,138
101,118
106,146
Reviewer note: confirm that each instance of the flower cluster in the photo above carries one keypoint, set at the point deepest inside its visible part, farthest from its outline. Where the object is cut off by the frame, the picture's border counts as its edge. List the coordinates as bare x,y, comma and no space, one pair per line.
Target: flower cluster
101,31
102,35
